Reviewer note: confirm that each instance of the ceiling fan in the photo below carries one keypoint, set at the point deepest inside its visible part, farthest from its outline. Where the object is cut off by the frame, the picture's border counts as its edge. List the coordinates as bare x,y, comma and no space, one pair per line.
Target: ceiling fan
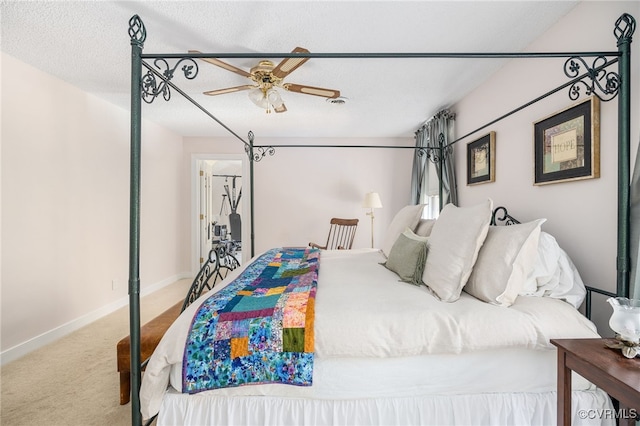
266,78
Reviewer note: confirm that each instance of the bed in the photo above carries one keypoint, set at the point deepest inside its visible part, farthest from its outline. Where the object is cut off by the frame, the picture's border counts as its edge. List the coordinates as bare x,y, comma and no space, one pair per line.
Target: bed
391,350
443,340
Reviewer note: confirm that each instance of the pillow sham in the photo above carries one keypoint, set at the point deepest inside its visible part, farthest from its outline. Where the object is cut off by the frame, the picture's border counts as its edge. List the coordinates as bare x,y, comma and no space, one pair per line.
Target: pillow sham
424,227
554,274
407,257
453,246
504,263
407,217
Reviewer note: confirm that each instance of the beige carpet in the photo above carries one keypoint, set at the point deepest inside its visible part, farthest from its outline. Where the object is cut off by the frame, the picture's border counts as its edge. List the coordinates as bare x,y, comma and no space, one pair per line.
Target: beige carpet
74,381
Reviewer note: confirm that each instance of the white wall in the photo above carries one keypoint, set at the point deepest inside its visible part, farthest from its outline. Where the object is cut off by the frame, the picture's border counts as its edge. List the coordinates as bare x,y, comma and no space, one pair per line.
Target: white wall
65,207
299,190
582,215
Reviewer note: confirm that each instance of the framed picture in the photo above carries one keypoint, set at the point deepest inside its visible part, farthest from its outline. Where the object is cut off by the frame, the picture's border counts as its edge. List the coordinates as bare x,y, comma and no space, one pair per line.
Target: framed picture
481,160
567,144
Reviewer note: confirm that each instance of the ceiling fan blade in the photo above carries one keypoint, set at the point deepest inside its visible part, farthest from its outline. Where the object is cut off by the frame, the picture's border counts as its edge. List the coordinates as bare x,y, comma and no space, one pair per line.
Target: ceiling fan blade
281,108
288,65
226,66
310,90
229,90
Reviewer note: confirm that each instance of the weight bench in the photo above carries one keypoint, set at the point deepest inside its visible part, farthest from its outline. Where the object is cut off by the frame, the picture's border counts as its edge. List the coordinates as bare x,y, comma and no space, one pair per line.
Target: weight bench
150,335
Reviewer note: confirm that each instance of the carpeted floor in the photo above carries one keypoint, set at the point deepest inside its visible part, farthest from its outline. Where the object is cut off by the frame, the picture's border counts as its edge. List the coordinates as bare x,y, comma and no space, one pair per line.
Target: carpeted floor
74,381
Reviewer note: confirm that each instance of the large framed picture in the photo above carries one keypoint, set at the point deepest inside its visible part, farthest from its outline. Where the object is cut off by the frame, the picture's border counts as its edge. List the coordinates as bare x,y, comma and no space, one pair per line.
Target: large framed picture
481,160
567,144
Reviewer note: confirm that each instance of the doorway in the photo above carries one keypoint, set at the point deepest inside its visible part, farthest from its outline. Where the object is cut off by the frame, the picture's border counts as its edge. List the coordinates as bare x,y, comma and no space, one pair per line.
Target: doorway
221,204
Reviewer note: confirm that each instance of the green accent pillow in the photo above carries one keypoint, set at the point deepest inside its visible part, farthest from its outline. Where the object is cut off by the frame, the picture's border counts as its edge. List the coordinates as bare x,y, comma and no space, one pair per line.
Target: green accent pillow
407,257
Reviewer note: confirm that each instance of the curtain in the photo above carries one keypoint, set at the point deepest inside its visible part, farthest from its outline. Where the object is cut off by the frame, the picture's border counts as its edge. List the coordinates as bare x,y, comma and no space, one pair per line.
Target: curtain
428,136
634,242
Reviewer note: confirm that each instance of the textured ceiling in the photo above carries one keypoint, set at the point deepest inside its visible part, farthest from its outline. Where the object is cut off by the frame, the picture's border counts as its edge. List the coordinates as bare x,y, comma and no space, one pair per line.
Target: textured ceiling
87,44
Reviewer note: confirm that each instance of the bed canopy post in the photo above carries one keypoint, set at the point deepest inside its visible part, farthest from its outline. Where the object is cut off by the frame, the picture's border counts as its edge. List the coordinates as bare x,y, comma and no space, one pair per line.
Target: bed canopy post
249,149
138,35
624,28
441,154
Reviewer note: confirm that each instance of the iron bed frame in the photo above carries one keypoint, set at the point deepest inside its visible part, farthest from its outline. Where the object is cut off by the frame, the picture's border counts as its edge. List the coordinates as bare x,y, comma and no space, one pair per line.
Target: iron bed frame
157,82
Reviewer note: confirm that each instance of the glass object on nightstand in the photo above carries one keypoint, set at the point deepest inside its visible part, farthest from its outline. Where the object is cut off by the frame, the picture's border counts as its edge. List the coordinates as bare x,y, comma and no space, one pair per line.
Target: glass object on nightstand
625,321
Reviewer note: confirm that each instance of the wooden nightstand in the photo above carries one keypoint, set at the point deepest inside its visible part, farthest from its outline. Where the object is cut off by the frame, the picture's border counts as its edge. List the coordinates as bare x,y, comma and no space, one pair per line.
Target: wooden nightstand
606,368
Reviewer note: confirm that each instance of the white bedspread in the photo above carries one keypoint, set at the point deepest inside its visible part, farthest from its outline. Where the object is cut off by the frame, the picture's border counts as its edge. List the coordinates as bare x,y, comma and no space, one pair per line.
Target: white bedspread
363,311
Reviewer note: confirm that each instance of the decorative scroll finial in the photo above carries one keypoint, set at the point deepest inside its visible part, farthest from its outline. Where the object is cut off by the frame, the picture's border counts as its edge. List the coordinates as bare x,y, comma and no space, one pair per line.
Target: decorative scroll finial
248,146
625,27
435,153
137,31
597,81
262,151
505,219
151,88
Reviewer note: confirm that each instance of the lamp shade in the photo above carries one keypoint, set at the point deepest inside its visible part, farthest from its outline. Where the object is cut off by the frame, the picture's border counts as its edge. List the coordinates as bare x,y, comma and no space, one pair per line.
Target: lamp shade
372,200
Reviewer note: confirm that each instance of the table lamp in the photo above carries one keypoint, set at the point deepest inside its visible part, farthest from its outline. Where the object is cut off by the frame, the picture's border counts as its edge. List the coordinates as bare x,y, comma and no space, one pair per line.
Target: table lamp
372,201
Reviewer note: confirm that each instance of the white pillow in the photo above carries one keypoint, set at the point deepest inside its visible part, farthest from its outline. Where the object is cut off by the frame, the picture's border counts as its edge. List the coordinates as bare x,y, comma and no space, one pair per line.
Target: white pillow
504,262
545,268
424,227
554,274
453,247
407,217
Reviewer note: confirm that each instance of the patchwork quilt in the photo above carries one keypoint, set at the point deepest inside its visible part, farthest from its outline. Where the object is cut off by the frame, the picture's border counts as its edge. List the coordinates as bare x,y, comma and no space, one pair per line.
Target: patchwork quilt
259,328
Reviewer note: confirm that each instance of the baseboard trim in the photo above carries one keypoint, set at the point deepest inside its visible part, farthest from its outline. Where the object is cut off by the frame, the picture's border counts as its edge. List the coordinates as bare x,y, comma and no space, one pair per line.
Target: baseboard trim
51,336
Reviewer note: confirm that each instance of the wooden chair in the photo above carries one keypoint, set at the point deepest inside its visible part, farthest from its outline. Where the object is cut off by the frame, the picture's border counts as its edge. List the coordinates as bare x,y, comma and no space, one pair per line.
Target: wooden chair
341,234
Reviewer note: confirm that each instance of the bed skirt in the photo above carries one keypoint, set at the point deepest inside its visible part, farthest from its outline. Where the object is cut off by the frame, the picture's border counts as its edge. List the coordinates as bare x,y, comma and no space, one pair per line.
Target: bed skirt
590,407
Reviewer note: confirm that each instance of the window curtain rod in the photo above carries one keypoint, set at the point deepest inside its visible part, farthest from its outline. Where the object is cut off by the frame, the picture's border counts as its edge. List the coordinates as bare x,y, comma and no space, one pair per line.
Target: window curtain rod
447,111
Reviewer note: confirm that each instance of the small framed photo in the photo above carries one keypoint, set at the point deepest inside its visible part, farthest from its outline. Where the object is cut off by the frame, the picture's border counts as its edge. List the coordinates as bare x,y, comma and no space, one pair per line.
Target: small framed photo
481,160
567,144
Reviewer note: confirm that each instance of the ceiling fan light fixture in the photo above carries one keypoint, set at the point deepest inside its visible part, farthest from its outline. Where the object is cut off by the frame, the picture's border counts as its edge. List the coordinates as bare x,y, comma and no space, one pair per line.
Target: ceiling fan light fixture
258,97
273,98
267,99
266,78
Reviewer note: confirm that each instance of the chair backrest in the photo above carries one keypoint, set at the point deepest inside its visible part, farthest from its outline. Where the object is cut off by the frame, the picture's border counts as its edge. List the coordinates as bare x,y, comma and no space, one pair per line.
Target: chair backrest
341,233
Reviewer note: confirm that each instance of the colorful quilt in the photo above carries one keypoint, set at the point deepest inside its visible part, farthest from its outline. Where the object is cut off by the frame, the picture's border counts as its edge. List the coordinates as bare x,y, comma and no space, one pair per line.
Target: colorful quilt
258,329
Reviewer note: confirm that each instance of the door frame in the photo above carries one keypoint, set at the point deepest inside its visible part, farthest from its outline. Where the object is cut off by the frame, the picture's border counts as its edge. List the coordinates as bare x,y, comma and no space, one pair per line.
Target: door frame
196,160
